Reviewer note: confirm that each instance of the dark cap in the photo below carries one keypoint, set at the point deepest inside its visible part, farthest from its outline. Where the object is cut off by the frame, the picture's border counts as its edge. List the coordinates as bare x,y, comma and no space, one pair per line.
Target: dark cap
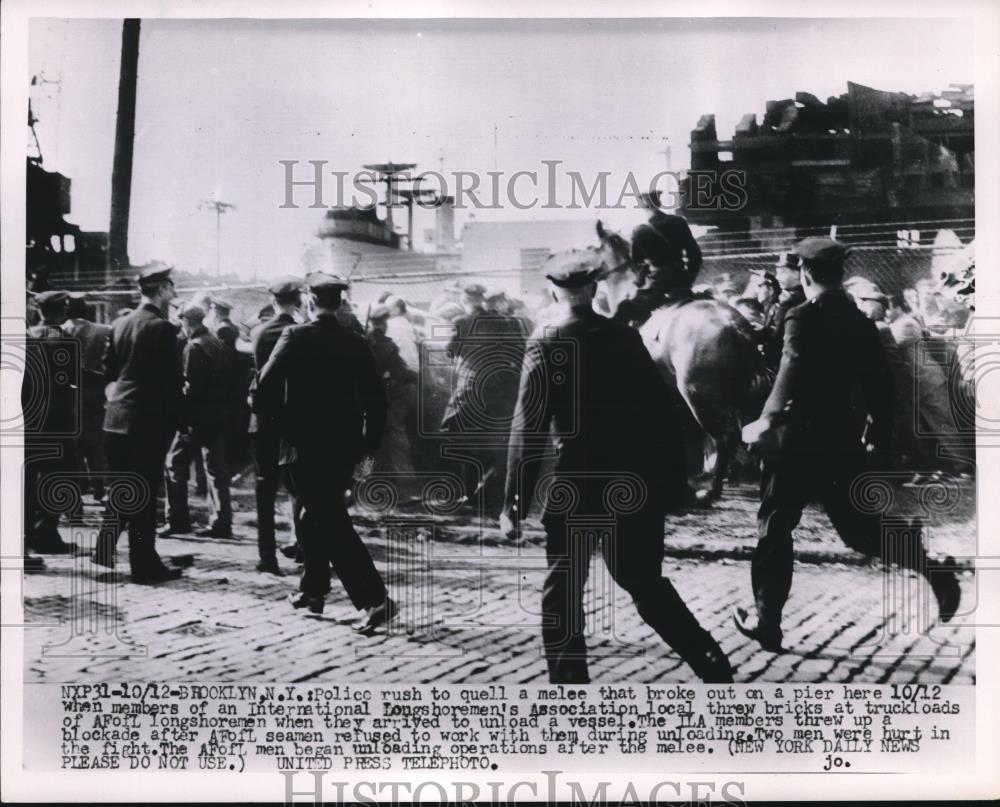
227,333
822,249
285,286
474,290
192,312
379,312
787,260
53,297
321,281
154,271
572,269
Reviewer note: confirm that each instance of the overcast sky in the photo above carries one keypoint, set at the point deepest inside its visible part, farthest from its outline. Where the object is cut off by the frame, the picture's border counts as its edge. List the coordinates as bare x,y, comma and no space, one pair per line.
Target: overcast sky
221,102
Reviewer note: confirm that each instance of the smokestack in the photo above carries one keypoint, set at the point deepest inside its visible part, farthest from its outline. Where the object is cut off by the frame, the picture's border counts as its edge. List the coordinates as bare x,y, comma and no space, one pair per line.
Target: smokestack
121,172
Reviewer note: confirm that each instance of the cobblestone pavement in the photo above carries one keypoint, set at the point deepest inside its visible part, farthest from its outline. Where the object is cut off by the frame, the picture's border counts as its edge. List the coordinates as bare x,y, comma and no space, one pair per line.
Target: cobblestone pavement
469,613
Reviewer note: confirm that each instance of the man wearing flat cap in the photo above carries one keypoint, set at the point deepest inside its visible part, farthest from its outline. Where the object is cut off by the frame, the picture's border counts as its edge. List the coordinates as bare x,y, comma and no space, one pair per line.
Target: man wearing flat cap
202,430
487,349
286,299
51,421
143,411
619,469
321,387
830,407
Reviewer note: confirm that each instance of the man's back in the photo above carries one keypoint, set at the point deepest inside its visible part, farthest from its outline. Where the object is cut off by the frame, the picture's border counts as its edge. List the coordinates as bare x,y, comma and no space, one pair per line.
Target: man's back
833,373
321,382
265,337
143,360
611,408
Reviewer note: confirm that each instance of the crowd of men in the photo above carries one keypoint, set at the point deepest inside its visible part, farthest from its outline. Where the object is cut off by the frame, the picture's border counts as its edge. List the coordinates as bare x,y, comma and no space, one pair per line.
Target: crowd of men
166,388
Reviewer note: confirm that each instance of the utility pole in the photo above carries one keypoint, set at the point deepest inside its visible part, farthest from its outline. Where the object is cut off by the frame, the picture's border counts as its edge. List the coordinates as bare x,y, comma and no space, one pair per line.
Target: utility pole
219,208
121,172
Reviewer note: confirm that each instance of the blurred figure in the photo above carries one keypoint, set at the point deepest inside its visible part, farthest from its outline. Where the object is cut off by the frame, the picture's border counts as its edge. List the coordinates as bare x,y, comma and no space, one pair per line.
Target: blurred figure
752,311
93,339
203,430
49,403
239,372
399,379
401,331
787,273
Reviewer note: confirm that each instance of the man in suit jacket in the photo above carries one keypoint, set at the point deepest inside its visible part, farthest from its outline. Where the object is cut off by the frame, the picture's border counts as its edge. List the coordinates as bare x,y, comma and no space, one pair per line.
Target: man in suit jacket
142,414
831,405
286,297
620,467
321,386
202,430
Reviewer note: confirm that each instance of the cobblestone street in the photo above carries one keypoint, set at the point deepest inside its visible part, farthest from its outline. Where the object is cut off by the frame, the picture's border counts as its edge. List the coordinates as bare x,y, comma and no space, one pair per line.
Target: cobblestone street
469,612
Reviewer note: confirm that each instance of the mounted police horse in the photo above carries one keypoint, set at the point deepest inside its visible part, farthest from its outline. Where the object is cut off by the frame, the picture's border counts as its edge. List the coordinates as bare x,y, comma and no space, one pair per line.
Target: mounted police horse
703,347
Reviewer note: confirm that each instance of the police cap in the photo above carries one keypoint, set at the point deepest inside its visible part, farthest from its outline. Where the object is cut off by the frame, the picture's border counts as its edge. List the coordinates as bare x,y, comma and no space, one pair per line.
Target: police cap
192,312
321,281
153,271
222,305
572,269
820,248
475,290
285,286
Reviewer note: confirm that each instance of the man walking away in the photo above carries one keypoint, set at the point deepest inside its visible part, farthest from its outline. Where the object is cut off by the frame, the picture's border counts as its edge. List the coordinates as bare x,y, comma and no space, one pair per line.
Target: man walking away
615,426
321,386
202,431
286,297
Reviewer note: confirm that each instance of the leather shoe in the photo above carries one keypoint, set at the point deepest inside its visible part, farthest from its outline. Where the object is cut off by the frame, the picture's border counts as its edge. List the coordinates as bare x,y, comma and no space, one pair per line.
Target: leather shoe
270,567
154,576
750,626
712,666
314,604
59,547
376,616
291,551
944,584
170,530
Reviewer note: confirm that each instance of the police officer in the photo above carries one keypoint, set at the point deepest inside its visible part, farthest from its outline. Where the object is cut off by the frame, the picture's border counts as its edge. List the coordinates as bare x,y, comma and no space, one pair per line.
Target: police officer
788,276
202,430
93,340
831,405
594,382
321,386
665,243
221,311
49,403
142,414
286,299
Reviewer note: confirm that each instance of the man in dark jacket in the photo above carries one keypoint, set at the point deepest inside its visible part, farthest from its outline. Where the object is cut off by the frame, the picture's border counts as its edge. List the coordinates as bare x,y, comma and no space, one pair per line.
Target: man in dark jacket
831,405
321,387
202,430
286,297
49,398
141,417
620,467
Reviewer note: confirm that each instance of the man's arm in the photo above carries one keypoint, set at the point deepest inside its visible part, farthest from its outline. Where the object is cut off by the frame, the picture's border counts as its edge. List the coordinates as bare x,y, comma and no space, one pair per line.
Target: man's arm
692,251
789,371
271,381
112,369
529,433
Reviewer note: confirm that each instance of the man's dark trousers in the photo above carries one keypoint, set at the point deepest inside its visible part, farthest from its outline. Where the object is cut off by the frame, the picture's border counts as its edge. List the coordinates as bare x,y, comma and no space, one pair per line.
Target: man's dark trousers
327,536
633,552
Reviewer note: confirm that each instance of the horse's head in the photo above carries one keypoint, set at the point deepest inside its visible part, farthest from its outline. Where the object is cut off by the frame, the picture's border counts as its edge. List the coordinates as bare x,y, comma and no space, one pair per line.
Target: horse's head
621,275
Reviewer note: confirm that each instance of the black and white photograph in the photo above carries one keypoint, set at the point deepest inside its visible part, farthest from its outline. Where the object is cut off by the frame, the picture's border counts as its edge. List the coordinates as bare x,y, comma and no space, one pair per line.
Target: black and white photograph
498,354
